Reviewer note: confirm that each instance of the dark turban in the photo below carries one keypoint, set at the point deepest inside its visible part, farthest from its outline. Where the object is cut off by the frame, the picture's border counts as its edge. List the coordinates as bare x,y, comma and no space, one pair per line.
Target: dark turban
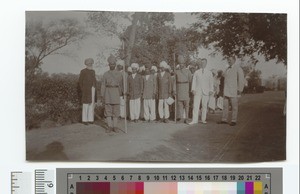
180,59
111,59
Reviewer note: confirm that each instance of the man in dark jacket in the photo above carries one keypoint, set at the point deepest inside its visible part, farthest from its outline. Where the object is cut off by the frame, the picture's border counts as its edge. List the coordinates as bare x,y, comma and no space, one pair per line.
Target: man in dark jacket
135,89
87,84
164,92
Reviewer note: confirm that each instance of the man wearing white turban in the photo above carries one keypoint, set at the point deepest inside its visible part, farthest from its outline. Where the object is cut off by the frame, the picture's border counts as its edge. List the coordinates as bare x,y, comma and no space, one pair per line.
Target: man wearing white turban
164,92
135,88
154,70
87,83
149,95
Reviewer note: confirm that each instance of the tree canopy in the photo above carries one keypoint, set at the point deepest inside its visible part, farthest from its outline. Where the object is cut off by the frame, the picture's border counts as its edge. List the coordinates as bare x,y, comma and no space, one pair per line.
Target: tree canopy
243,33
44,39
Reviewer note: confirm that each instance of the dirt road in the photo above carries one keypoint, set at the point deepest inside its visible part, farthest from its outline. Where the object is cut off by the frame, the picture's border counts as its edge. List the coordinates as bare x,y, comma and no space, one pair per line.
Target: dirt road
260,135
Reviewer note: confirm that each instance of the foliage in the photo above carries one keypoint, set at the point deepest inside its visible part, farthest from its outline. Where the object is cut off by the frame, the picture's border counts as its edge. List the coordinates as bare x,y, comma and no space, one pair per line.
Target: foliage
148,38
243,33
157,39
107,22
55,98
44,39
254,82
49,97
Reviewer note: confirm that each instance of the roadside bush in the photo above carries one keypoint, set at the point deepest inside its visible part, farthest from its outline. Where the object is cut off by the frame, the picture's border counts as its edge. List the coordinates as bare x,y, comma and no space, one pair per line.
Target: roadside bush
260,89
55,98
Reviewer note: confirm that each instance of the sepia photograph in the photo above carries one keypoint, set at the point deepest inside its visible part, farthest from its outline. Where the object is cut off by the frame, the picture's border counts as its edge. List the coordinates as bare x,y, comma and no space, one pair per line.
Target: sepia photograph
193,87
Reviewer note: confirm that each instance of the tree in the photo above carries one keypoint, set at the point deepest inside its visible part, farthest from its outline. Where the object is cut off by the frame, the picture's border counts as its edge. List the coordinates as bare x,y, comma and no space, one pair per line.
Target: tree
243,33
254,80
148,38
108,22
44,39
157,39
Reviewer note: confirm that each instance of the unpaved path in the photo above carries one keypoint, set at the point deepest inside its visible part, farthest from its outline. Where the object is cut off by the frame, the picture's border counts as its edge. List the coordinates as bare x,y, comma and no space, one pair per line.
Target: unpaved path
260,135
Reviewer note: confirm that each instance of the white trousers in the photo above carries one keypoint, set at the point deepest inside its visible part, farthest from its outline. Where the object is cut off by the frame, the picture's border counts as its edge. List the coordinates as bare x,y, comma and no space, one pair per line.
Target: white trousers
149,109
135,108
88,109
220,103
163,109
203,99
212,102
122,107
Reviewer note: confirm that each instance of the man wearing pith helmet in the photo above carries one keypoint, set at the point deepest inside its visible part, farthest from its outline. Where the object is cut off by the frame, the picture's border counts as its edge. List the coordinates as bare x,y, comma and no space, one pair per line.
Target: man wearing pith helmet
111,90
87,84
183,80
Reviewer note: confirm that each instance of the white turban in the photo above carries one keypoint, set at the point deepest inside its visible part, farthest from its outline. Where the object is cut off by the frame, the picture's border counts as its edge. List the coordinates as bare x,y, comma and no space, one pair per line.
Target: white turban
168,67
154,68
135,65
163,64
129,69
214,71
142,68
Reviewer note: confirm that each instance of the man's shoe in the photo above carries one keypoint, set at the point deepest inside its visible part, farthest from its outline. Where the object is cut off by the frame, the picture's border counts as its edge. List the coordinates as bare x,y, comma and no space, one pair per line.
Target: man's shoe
222,122
232,124
166,120
91,123
192,123
108,130
185,121
116,129
204,122
85,123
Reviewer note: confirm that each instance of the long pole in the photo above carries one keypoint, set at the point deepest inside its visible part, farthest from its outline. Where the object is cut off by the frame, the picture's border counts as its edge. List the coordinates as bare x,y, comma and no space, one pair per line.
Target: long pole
124,88
175,84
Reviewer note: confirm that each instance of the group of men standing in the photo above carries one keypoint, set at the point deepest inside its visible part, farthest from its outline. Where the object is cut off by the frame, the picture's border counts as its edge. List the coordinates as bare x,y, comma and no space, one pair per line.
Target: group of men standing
152,91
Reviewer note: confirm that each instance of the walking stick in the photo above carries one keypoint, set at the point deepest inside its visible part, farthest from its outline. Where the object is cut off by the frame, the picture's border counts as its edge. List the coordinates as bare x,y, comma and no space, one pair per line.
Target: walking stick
124,89
175,96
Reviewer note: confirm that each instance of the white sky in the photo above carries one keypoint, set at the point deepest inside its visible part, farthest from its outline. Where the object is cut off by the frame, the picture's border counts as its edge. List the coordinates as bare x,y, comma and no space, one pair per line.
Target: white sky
93,45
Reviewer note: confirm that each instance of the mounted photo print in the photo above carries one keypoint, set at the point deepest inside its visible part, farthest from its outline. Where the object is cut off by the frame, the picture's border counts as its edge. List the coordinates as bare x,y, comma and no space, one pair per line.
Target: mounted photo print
201,87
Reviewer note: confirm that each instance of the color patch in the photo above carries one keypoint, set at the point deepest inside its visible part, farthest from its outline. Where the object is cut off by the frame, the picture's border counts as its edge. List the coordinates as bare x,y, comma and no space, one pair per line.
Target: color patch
169,188
160,187
93,188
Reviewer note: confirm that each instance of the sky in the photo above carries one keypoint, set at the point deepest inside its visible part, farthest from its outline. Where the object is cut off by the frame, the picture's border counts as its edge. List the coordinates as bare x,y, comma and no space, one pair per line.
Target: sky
94,45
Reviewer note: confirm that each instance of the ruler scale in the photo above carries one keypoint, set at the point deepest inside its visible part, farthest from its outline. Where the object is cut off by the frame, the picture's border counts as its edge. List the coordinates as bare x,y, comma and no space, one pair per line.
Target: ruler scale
44,181
21,182
149,181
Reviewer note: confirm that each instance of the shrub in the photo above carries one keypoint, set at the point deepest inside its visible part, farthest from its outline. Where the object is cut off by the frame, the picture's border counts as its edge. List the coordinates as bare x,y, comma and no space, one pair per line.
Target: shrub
55,97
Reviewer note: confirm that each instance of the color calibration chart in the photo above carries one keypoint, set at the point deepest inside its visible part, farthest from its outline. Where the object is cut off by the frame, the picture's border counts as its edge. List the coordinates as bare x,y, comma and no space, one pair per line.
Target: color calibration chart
169,181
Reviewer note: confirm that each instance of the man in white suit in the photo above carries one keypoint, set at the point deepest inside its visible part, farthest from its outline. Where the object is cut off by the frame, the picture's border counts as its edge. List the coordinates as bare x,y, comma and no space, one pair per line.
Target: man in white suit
202,88
233,87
